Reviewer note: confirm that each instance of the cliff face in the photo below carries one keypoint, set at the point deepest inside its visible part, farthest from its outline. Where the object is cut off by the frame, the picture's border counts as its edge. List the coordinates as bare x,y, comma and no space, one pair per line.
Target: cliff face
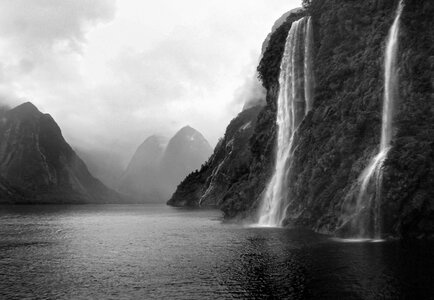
340,135
230,161
38,166
337,140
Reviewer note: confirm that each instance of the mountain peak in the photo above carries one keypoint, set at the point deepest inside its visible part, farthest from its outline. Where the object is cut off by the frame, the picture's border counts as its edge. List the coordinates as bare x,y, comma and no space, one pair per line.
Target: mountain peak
187,128
26,109
188,135
188,131
156,139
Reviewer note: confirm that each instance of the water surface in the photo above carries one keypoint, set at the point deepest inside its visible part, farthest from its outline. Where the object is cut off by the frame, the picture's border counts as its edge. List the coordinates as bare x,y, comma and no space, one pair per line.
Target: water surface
117,252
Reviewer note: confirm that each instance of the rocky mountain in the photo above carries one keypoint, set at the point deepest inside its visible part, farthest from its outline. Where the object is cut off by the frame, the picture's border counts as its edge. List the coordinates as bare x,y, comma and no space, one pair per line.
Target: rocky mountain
142,176
338,137
38,166
230,160
158,166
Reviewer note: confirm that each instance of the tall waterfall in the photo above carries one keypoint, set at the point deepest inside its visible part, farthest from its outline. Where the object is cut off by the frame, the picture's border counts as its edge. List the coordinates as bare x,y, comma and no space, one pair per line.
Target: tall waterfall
294,101
370,225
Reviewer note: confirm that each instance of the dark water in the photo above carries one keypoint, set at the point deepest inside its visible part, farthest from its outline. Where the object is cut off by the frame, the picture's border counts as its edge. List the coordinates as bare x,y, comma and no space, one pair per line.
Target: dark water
145,252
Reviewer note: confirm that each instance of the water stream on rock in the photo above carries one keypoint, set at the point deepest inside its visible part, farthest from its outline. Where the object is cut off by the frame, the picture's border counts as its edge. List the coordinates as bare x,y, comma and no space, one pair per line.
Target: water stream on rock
369,224
294,101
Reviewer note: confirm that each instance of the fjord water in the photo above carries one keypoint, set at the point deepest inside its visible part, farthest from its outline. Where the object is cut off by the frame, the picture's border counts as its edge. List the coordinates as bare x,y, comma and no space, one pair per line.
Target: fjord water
370,224
294,101
157,252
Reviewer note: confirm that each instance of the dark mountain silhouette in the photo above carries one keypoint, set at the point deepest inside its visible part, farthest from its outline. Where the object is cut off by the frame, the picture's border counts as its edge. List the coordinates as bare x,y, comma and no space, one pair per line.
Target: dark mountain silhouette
38,166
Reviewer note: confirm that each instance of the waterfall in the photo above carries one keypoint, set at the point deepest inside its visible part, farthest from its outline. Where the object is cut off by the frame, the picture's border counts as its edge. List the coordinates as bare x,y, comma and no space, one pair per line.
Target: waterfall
308,70
294,101
373,171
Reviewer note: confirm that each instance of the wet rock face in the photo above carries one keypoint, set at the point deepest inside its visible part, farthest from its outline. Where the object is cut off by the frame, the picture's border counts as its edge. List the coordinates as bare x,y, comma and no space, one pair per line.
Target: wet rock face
341,134
337,139
409,171
38,166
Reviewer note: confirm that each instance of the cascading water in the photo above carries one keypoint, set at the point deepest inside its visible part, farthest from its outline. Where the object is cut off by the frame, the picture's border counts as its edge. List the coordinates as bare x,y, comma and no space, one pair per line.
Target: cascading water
308,69
370,225
294,101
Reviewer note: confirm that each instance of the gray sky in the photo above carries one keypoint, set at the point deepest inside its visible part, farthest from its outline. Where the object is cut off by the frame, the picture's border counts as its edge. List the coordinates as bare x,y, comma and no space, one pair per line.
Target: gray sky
112,72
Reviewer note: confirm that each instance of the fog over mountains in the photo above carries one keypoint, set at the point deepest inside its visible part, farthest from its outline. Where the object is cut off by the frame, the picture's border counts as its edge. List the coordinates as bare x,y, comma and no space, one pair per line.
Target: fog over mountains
159,165
37,165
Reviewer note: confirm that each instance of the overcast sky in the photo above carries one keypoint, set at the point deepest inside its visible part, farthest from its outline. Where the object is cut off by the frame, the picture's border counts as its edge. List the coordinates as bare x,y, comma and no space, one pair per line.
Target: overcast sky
112,72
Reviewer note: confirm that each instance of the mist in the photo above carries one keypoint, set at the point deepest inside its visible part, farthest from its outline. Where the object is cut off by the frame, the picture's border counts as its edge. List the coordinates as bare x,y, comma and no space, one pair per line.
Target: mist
113,73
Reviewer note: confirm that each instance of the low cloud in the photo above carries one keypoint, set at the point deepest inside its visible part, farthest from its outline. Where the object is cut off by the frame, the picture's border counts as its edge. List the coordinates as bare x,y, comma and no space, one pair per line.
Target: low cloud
40,41
113,73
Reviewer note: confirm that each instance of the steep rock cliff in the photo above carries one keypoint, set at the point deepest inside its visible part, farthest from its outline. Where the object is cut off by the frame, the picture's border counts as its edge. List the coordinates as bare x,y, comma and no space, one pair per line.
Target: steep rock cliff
38,166
338,139
230,161
340,135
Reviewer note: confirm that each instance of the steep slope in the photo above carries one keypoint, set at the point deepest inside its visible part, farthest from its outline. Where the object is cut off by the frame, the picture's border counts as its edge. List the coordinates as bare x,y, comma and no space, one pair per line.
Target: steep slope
340,135
187,151
337,141
9,194
230,161
38,166
277,24
141,178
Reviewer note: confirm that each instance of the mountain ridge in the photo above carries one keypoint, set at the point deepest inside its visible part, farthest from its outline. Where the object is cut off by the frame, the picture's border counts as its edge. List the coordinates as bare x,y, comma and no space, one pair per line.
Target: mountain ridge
159,164
37,165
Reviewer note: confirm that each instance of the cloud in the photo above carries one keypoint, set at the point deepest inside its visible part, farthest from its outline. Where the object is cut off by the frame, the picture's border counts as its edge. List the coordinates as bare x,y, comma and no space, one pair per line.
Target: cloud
113,73
41,39
43,24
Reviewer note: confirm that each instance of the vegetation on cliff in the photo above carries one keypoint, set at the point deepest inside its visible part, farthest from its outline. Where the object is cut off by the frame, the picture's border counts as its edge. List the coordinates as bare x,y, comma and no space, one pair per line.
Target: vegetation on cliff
337,139
231,160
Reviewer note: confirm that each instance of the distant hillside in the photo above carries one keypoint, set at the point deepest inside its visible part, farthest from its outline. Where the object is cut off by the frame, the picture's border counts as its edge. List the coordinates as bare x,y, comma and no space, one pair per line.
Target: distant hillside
186,152
141,178
156,170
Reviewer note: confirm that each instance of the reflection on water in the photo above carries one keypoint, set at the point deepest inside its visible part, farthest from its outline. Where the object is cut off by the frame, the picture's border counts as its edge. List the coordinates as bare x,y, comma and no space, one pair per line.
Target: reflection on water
161,252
